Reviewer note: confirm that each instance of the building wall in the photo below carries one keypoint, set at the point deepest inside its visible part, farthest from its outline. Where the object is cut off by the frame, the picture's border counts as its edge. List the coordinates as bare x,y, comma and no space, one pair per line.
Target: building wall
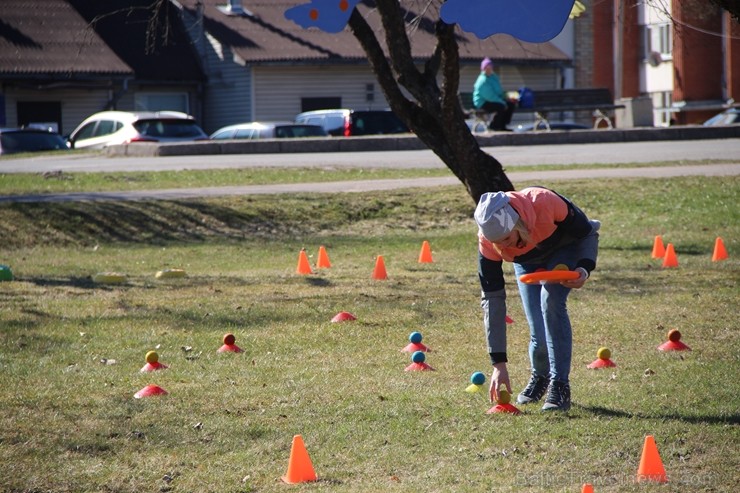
632,58
731,30
603,42
76,104
278,90
583,53
696,54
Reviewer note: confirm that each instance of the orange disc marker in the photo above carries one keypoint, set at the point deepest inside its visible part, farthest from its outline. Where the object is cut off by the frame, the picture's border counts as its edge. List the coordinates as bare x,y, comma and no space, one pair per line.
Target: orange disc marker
229,345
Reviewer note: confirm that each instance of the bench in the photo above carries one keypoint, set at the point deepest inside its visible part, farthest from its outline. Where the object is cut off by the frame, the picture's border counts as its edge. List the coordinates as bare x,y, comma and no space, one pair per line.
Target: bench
597,100
481,118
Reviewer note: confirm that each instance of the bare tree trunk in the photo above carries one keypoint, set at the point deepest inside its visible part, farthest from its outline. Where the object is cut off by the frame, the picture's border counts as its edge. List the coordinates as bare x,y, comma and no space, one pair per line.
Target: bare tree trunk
434,115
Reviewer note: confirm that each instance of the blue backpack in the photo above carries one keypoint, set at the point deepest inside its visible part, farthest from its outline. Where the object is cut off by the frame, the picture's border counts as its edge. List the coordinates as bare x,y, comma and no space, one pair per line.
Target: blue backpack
526,98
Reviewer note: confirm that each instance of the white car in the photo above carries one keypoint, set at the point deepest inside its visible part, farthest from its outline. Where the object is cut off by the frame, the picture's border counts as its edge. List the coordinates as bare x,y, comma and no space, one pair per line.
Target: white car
124,127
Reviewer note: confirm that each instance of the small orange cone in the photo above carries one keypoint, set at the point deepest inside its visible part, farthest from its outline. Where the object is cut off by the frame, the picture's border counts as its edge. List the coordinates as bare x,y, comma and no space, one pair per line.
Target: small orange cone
674,342
300,469
602,359
651,467
720,252
425,256
670,259
303,266
229,345
152,363
379,271
343,317
504,405
149,391
587,488
658,248
323,261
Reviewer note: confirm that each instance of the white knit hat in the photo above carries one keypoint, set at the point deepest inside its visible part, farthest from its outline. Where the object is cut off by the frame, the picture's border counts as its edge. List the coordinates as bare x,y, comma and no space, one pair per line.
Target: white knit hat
495,216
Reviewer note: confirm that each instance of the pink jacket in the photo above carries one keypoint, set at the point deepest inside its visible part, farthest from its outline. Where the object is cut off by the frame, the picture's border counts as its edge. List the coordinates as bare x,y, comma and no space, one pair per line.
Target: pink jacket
540,209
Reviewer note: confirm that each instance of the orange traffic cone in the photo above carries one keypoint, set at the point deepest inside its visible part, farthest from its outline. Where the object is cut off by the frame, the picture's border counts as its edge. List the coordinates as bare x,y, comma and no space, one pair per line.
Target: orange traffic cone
720,252
587,488
670,259
651,467
379,271
300,469
323,261
658,248
425,256
303,266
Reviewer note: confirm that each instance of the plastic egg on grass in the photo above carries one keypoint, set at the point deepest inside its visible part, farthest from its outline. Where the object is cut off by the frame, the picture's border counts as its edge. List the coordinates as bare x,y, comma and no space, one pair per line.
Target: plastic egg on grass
478,378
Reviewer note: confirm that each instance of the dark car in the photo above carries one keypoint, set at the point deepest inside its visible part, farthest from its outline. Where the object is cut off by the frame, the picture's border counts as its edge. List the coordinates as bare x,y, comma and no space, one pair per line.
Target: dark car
349,123
731,116
15,140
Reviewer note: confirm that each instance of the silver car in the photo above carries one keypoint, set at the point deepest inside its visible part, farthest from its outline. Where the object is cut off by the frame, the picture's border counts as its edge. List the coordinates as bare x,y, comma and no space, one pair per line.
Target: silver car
268,130
123,127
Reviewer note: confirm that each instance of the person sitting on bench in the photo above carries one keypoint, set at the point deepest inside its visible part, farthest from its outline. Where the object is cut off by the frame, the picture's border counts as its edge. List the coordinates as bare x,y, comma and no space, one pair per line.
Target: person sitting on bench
489,96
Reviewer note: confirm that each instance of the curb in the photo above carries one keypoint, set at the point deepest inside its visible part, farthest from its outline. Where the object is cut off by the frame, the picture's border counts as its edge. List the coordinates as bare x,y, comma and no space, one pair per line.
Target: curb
409,142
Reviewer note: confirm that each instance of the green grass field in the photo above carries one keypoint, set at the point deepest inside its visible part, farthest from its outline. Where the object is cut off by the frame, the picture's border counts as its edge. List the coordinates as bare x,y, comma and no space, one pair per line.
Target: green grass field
71,350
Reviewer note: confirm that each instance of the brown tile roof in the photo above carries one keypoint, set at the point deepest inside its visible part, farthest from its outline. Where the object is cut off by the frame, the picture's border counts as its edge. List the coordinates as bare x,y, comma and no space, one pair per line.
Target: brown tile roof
267,36
49,38
84,39
154,44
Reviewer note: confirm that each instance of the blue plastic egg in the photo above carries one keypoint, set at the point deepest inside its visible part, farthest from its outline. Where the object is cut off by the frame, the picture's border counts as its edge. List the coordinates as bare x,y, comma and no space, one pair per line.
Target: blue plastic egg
418,357
478,378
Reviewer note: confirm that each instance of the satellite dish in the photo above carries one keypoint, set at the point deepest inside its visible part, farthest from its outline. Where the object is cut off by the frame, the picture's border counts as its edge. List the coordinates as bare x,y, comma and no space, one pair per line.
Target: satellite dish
655,58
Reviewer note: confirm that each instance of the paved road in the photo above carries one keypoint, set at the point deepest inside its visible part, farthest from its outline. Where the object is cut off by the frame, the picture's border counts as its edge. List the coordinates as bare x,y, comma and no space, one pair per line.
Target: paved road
369,185
510,156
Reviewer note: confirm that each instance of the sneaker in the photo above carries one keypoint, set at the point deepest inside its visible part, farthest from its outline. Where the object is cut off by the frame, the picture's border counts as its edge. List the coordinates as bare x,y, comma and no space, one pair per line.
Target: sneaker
534,390
558,397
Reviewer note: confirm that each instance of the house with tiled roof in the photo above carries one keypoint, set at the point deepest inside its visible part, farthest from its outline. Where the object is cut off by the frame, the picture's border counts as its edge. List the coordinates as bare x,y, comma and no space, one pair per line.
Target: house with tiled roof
224,61
62,60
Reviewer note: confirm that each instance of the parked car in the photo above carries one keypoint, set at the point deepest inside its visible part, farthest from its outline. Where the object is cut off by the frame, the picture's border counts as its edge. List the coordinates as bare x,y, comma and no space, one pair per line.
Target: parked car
731,116
124,127
347,123
528,127
268,130
15,140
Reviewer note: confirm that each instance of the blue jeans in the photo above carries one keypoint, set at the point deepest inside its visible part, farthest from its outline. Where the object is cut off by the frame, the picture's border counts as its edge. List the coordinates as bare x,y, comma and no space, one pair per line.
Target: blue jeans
551,335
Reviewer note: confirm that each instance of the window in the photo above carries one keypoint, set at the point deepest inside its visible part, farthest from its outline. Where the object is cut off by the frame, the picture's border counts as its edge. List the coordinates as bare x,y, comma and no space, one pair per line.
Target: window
106,127
313,104
657,38
161,101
